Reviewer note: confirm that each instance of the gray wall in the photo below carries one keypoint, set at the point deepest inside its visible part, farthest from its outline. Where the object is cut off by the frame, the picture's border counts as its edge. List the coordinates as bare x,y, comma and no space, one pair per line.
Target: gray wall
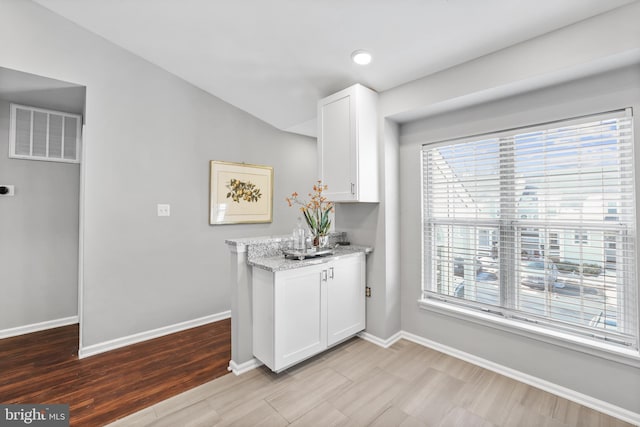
38,237
149,140
376,225
594,376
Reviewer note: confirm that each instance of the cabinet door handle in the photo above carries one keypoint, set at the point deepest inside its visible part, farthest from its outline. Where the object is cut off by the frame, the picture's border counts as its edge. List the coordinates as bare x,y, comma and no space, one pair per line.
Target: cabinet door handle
331,273
353,188
324,275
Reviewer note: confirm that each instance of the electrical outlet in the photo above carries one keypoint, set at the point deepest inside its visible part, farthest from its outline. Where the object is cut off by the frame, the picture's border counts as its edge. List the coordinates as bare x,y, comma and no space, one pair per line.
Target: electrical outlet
7,190
164,210
367,292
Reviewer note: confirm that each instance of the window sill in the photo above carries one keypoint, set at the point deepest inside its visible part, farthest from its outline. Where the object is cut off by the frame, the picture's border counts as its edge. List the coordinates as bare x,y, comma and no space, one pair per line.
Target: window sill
602,350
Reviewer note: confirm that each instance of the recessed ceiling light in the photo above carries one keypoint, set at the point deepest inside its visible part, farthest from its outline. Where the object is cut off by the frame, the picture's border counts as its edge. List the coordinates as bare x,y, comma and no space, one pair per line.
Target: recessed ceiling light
361,57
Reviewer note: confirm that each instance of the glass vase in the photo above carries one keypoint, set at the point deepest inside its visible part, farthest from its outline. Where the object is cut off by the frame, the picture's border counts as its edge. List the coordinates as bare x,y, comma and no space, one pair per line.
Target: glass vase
320,241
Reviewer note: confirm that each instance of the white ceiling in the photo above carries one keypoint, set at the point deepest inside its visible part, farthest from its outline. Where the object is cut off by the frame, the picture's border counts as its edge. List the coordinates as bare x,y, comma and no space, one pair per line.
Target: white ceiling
276,58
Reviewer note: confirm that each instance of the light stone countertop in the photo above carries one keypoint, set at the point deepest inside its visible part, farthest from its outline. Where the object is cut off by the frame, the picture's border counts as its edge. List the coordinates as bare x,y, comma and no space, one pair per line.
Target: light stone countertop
277,240
246,241
280,263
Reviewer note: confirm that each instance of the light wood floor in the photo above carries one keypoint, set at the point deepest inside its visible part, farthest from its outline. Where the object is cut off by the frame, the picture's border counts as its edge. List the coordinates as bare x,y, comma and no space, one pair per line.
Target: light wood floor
359,383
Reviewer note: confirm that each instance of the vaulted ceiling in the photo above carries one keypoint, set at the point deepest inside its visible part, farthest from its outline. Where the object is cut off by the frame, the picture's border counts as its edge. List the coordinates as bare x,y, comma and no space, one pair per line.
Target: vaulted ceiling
276,58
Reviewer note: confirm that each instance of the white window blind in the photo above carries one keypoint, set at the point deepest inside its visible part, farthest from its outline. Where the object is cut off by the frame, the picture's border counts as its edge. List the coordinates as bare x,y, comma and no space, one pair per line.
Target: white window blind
39,134
537,225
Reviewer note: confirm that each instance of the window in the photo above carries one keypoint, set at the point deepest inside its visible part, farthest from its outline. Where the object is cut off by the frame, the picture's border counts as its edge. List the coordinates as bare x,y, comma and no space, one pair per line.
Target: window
581,237
545,194
38,134
610,250
611,211
554,246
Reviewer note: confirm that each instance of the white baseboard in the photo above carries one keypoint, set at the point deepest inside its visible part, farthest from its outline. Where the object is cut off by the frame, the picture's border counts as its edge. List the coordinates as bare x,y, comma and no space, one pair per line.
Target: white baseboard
35,327
379,341
94,349
558,390
241,368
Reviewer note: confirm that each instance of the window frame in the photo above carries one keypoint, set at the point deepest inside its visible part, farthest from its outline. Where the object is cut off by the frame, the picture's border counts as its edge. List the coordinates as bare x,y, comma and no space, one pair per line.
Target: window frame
442,304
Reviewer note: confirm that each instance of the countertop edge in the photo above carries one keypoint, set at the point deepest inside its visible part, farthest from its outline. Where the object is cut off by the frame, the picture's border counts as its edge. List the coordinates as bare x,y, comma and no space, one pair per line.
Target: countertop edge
280,263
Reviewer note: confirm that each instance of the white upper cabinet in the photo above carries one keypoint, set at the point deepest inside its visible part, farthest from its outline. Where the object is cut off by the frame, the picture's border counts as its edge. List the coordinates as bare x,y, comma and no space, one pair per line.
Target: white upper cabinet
348,145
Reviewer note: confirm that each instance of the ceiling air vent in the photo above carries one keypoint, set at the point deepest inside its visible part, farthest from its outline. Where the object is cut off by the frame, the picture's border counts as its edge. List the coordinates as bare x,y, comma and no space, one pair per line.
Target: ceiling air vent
39,134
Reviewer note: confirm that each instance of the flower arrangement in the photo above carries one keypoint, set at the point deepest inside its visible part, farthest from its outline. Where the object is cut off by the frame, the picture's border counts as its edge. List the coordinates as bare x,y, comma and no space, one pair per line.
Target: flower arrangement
316,210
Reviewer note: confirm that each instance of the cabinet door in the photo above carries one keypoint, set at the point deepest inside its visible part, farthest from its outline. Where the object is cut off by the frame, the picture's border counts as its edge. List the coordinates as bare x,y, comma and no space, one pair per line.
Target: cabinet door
345,298
337,146
300,315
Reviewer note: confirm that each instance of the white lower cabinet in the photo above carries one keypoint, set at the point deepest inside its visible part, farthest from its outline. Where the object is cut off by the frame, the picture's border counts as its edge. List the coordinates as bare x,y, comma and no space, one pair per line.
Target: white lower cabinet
300,312
345,298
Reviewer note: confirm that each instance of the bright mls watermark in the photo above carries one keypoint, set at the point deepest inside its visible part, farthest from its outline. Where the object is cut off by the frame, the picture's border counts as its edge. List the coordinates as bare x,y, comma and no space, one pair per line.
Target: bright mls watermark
34,415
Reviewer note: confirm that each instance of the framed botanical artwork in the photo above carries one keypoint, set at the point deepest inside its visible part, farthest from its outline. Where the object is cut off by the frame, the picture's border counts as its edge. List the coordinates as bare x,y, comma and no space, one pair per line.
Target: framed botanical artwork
240,193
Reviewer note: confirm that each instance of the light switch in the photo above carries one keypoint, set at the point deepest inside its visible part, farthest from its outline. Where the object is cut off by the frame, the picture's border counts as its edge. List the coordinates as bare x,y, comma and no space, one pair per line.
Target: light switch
164,210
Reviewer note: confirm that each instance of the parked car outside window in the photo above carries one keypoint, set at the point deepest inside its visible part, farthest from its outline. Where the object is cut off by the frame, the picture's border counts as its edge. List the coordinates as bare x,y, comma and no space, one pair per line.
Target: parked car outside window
538,274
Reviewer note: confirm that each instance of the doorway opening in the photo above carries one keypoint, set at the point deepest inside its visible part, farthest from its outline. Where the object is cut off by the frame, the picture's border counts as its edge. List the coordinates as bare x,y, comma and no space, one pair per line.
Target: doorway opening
41,223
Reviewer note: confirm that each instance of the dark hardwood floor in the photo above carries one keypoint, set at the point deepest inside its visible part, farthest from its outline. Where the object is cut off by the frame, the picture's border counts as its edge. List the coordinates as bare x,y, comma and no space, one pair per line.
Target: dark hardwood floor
43,367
